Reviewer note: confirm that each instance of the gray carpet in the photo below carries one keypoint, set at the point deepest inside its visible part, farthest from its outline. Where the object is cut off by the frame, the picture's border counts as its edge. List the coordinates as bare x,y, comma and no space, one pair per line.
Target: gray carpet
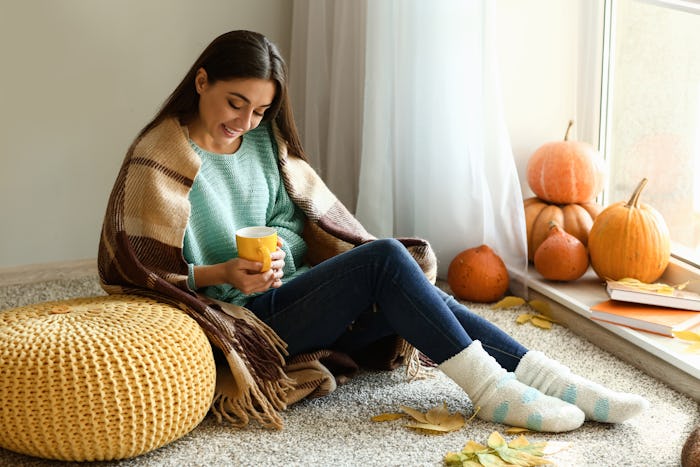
336,430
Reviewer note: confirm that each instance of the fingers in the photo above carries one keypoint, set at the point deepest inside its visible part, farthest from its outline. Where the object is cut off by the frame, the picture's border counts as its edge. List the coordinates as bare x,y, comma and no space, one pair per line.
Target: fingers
277,278
263,281
249,278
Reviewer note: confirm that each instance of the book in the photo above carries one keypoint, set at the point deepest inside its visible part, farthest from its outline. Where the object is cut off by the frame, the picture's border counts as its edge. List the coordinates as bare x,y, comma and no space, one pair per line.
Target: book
671,297
648,318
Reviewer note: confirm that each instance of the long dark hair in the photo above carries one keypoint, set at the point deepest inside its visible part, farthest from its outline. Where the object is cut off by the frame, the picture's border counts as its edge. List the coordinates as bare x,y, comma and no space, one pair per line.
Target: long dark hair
236,54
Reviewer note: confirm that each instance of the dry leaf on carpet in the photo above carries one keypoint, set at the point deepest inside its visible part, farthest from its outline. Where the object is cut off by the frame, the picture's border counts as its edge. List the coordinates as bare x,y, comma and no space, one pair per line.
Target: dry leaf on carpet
498,452
388,417
437,420
541,321
516,430
508,302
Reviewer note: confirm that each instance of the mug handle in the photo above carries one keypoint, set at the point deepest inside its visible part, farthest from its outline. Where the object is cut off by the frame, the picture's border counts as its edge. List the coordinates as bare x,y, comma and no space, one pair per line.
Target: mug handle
266,260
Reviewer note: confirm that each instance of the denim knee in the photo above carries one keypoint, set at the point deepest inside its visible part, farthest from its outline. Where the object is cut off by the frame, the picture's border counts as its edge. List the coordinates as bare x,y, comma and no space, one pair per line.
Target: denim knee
390,247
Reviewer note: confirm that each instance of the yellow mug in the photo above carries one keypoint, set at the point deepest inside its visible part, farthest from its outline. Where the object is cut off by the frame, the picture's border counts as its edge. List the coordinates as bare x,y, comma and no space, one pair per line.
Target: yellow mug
256,243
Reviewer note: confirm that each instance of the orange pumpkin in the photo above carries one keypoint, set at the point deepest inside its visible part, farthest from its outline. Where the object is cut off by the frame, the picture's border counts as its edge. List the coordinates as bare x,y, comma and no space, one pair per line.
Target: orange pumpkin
630,239
478,275
561,256
565,172
575,219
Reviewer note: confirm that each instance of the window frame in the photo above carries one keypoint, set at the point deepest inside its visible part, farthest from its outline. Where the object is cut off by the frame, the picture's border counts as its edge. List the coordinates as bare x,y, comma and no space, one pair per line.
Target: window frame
597,36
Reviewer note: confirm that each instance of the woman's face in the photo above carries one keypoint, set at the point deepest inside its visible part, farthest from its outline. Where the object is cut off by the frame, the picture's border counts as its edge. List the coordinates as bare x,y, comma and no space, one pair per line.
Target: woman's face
227,110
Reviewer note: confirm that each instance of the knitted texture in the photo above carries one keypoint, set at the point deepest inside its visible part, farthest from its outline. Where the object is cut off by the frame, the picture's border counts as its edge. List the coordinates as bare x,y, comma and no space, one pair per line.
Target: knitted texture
239,190
500,398
101,378
597,402
140,253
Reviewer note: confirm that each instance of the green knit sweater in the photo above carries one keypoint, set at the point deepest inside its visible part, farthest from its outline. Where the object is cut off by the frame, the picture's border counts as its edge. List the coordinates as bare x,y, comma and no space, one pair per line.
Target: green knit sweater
237,190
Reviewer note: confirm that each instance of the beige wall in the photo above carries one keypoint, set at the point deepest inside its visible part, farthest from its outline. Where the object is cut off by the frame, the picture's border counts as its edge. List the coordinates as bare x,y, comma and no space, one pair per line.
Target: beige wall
550,63
79,79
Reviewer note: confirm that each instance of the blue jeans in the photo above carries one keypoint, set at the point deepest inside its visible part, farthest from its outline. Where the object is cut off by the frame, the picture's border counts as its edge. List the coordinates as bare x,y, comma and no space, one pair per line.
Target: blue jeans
372,291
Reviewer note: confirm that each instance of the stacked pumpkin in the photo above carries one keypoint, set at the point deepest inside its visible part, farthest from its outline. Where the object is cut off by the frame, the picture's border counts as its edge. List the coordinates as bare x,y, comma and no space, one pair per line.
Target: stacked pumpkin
565,176
567,230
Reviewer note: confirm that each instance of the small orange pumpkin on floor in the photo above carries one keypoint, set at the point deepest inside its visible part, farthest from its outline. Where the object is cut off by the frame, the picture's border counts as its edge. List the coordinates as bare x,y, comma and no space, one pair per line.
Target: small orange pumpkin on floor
478,275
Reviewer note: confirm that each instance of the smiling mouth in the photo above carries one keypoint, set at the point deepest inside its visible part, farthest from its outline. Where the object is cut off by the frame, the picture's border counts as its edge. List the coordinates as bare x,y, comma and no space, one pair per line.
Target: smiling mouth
230,132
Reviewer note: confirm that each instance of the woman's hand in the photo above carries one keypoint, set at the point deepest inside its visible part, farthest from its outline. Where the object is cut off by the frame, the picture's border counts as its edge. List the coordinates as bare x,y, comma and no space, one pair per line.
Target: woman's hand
245,275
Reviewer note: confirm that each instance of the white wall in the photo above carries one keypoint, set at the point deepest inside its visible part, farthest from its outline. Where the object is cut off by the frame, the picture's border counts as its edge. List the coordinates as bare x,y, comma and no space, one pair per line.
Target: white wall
540,56
80,78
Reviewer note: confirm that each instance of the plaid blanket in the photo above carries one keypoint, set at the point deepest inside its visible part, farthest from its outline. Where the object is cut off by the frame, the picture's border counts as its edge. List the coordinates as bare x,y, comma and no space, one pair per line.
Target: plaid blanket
140,252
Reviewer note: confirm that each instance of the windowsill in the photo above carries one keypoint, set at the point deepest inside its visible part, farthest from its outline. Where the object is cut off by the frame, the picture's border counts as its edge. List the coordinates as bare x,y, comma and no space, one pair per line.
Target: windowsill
661,357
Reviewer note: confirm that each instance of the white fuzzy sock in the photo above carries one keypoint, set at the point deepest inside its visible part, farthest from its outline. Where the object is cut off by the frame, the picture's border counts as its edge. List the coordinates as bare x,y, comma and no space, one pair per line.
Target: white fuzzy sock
597,402
501,398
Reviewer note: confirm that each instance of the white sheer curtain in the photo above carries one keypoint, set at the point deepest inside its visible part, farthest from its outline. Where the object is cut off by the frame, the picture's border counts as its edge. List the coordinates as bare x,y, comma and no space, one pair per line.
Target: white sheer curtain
435,158
327,82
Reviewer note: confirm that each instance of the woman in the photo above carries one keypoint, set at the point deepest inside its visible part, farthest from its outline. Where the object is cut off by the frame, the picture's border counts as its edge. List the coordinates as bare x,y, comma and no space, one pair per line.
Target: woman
223,153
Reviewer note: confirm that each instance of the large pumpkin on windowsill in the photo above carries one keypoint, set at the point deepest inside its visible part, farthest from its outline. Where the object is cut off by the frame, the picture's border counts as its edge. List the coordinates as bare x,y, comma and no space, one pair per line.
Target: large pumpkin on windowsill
565,172
630,239
574,219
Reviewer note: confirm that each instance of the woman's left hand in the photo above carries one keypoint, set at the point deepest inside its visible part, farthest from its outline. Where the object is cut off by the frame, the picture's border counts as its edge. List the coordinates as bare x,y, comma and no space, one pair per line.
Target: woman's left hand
277,266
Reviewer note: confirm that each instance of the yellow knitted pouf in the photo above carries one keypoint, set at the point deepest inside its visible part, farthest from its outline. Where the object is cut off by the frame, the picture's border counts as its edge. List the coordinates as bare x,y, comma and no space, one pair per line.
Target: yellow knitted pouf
101,378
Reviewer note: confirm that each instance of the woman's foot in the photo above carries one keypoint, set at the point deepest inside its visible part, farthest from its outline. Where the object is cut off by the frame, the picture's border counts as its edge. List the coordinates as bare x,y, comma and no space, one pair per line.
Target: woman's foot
499,397
597,402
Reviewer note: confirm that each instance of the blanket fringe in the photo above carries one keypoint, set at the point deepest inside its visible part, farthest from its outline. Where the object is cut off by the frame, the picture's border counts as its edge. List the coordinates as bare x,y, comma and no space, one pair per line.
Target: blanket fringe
415,368
260,405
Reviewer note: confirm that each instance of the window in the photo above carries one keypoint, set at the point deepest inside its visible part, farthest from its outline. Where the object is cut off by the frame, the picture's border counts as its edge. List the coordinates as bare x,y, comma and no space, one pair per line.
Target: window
650,117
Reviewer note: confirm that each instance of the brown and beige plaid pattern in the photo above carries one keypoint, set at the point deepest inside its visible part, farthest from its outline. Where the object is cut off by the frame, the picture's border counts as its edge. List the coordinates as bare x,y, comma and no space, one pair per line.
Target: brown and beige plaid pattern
140,252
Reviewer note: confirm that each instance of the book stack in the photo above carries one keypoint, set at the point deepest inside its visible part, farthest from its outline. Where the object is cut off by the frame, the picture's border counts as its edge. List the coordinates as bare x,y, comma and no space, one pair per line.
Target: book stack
660,312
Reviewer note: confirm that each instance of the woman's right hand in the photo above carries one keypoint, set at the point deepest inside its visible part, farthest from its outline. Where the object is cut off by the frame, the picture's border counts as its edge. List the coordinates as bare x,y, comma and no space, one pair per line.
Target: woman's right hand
245,275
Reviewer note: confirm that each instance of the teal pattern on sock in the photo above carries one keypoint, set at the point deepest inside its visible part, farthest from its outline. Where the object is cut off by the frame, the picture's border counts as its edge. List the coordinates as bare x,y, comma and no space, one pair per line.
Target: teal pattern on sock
507,377
534,422
597,402
500,412
530,395
601,412
570,394
498,396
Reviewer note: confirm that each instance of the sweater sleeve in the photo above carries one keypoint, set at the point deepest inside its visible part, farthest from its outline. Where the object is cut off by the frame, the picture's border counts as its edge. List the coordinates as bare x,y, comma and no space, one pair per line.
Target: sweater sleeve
286,217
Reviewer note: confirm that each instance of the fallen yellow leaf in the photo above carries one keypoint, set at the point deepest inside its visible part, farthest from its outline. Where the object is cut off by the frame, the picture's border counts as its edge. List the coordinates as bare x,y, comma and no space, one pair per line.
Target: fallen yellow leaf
524,318
540,306
548,318
388,417
499,453
416,414
437,420
657,287
687,335
516,430
541,323
473,446
508,302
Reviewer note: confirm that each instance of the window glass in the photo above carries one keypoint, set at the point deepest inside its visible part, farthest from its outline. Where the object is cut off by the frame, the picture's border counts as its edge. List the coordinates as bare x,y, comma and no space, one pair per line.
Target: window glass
653,115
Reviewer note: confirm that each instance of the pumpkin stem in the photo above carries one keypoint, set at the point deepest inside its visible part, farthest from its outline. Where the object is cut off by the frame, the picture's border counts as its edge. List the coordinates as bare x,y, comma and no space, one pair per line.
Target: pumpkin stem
568,130
634,200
